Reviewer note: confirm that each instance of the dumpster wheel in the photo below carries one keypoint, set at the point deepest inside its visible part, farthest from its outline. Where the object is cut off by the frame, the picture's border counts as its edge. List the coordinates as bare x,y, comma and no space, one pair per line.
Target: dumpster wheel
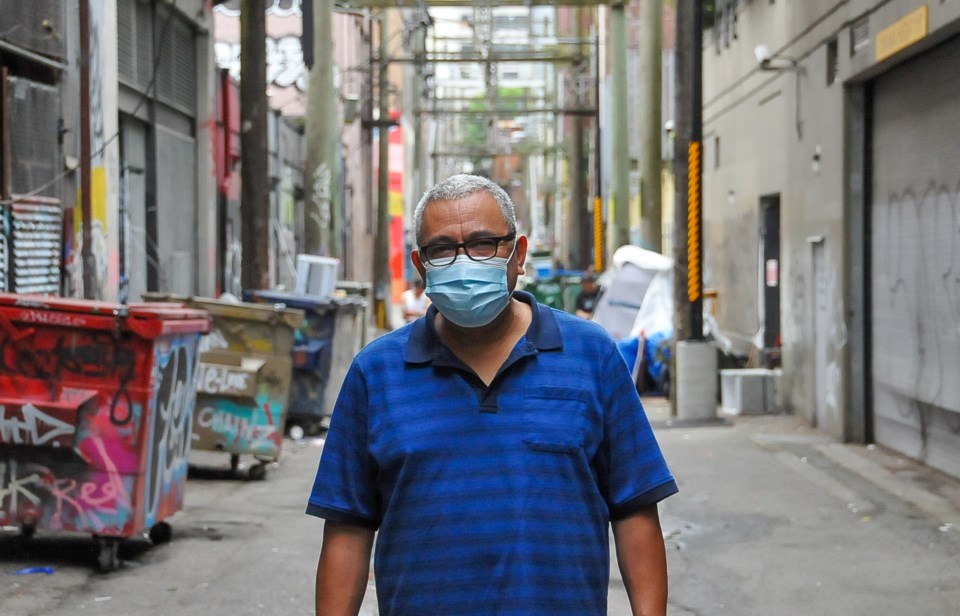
257,472
296,431
161,532
108,558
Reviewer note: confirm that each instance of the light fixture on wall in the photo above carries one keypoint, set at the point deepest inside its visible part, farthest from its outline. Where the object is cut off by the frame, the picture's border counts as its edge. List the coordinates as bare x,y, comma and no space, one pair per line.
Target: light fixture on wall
769,61
350,108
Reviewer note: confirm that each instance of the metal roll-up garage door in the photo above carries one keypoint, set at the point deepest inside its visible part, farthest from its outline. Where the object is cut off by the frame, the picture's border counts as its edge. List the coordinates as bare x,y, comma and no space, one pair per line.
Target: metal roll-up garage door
915,258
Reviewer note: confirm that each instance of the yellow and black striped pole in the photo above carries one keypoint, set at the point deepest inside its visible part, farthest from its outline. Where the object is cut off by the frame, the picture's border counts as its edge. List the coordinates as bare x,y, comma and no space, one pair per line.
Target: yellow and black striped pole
598,234
694,282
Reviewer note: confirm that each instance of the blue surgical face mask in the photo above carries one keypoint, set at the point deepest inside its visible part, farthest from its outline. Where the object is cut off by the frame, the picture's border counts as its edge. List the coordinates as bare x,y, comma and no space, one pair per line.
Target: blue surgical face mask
469,293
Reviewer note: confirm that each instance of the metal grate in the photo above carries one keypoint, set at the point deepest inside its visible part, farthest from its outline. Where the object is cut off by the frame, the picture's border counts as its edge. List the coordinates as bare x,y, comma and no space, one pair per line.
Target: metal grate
144,48
135,43
4,249
33,136
859,34
36,231
176,72
126,42
833,61
35,25
185,67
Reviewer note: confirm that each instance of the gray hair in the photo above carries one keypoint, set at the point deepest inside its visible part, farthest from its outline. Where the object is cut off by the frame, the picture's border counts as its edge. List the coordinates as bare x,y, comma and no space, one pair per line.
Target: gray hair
460,186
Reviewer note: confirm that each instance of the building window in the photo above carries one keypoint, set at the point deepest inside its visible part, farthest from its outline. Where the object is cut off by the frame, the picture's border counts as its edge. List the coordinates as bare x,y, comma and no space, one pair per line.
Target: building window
832,61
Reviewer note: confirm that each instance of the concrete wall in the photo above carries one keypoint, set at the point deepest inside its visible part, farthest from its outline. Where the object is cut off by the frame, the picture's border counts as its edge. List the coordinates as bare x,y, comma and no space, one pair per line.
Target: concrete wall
769,132
351,52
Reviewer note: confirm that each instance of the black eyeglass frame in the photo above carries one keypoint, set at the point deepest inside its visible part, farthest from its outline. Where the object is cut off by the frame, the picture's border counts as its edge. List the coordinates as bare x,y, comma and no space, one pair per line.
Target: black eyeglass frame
510,237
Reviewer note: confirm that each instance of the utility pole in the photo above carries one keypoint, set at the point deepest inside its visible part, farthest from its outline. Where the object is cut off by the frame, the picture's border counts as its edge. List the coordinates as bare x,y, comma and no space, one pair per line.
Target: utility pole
619,233
683,122
90,290
598,230
694,376
651,73
578,222
420,95
254,194
695,179
381,253
323,224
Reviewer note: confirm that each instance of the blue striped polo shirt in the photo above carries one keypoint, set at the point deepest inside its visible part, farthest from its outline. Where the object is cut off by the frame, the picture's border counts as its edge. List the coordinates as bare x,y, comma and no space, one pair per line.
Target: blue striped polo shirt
490,500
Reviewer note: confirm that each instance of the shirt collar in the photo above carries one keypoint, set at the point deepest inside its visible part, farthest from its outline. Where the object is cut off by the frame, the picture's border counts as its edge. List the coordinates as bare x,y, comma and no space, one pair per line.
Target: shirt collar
543,332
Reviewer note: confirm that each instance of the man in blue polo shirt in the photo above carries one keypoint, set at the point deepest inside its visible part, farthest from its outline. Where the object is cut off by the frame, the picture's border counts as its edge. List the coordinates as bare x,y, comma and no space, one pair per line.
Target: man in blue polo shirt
491,443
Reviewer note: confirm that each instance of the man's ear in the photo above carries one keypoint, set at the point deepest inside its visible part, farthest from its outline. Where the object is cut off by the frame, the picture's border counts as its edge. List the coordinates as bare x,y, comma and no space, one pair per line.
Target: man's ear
521,254
417,263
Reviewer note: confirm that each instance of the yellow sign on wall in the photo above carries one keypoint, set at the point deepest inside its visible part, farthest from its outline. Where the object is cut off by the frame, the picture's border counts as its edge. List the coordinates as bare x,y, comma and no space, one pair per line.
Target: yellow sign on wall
903,33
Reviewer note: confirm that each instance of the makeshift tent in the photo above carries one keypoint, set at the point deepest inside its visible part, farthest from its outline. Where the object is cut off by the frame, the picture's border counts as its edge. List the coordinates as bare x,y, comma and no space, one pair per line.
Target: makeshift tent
636,309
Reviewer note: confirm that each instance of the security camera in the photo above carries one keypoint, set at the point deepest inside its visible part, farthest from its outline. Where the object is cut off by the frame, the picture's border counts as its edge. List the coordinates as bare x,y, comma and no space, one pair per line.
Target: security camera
762,52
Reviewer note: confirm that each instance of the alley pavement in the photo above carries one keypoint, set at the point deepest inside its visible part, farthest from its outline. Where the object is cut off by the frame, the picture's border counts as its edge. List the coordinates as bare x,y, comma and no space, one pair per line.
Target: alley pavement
774,518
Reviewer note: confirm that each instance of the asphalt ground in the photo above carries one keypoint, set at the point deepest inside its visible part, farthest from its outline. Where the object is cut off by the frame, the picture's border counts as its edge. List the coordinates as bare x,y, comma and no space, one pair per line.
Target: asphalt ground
772,518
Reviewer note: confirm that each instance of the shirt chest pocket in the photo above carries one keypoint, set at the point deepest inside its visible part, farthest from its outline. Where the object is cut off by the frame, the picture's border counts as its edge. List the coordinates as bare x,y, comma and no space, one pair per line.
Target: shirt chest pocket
555,420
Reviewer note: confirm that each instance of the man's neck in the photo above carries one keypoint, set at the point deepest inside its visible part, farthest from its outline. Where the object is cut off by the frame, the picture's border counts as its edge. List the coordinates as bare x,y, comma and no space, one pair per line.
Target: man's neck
485,349
503,327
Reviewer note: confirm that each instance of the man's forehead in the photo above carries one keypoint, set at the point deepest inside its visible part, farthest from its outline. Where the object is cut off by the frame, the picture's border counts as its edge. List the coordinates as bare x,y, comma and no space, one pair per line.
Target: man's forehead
479,207
479,200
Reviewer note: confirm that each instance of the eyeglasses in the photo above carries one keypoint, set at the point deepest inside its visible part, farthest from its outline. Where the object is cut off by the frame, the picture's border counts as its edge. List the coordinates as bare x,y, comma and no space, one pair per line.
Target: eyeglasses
480,249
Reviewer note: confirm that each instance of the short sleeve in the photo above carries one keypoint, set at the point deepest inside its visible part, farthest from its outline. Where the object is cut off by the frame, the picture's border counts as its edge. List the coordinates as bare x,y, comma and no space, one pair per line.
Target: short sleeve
345,486
632,471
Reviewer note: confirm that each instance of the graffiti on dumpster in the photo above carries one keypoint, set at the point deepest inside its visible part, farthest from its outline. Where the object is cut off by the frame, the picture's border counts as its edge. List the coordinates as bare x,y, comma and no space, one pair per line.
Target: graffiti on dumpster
25,424
75,355
237,427
94,426
170,433
71,498
222,380
214,341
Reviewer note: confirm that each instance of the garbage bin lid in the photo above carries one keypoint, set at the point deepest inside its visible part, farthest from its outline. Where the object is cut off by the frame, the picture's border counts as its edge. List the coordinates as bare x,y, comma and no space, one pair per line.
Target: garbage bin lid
145,319
249,311
301,302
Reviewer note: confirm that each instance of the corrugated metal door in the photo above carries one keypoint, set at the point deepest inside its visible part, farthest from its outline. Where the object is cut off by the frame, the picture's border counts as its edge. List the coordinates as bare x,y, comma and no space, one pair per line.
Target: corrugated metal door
915,280
133,198
177,207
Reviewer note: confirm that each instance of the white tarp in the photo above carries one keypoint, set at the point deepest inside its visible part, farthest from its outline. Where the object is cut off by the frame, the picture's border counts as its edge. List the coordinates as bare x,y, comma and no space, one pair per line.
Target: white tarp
638,294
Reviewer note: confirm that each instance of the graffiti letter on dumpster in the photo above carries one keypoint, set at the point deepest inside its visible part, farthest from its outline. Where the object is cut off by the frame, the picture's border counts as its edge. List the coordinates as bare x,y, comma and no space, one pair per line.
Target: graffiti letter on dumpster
170,444
28,425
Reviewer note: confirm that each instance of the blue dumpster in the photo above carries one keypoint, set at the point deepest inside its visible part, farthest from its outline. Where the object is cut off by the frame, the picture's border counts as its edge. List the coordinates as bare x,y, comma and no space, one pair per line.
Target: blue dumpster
324,345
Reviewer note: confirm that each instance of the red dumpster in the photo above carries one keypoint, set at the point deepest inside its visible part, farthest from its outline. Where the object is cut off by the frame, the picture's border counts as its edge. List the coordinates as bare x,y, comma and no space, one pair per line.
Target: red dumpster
96,408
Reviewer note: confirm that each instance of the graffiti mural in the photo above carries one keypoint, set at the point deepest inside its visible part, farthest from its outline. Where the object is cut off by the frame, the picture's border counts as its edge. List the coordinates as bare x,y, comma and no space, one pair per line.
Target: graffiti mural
286,72
285,66
280,8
